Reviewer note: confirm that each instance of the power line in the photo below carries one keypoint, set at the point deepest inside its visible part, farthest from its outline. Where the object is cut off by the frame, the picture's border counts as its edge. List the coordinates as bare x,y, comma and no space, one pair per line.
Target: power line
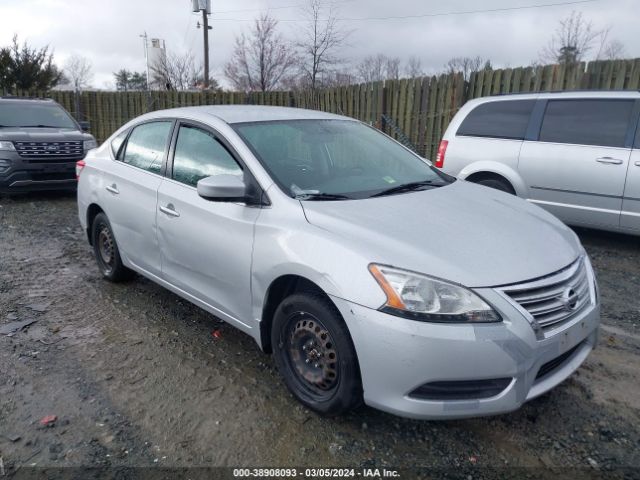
278,8
426,15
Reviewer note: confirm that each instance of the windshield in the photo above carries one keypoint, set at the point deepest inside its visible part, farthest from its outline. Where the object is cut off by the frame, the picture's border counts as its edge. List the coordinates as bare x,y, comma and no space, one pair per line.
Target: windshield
32,114
335,159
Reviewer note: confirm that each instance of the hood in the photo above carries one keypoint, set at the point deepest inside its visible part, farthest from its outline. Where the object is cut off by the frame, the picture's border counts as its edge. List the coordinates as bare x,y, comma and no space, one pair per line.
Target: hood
464,233
22,134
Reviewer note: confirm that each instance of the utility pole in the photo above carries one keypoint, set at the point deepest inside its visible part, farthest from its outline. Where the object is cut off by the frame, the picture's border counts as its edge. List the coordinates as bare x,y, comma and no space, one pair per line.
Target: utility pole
204,6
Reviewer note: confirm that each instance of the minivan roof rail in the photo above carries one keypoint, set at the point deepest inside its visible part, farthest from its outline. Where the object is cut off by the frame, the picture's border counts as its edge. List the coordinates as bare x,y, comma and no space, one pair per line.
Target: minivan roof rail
586,90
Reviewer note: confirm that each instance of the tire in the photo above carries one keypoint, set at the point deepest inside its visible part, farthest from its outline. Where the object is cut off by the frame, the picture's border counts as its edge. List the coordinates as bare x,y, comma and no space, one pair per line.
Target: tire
497,184
314,354
106,250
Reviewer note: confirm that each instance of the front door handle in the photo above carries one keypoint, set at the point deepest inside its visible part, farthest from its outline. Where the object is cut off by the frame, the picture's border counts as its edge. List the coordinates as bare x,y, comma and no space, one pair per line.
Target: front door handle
170,210
610,160
113,189
637,164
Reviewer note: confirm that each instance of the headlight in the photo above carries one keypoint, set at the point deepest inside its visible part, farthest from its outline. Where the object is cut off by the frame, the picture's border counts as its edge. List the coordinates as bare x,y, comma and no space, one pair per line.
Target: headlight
419,297
7,146
89,144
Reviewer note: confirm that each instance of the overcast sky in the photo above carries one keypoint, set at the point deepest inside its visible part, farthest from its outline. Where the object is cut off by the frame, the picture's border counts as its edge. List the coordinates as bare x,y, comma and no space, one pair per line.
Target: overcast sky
107,31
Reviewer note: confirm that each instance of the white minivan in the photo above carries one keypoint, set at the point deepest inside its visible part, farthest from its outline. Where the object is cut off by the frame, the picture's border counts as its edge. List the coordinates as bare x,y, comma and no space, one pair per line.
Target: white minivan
576,154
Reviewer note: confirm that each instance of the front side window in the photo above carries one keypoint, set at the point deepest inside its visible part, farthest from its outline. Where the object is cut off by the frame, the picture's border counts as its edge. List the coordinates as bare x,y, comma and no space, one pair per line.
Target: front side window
146,145
199,154
334,157
587,122
31,113
500,119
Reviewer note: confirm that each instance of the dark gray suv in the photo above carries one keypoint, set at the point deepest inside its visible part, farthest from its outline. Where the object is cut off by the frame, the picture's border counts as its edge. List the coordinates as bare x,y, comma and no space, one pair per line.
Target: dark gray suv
40,143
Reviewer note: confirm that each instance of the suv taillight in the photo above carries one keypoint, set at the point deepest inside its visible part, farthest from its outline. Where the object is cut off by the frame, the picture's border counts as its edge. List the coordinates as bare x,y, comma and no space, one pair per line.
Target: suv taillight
79,166
442,150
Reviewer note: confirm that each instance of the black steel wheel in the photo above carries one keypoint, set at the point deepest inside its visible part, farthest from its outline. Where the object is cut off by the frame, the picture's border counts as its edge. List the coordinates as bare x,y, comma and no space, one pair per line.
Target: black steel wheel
106,250
315,355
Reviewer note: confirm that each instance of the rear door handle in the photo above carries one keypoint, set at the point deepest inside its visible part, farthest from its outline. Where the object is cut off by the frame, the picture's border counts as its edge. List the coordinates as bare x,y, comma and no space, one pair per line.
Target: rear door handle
113,189
637,164
170,210
611,160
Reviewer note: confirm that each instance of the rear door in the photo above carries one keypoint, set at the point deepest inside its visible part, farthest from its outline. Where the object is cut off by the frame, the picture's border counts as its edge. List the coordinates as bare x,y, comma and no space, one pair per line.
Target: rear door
577,168
630,217
131,185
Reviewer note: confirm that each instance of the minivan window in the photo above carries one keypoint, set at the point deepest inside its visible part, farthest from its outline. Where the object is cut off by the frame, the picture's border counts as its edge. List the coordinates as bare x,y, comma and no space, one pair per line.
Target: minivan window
638,136
587,122
198,154
329,158
146,145
35,114
500,119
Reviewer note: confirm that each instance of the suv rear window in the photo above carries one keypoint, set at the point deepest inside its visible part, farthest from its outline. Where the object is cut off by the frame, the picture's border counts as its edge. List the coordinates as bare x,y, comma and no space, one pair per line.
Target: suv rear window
587,122
501,119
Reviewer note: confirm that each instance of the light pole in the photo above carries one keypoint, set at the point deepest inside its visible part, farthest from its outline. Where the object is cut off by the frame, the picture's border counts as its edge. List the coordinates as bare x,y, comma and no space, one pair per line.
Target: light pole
146,57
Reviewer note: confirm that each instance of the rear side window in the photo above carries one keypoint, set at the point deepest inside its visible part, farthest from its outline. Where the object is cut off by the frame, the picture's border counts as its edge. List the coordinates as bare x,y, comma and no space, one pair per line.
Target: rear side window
501,119
587,122
638,136
116,143
146,145
199,154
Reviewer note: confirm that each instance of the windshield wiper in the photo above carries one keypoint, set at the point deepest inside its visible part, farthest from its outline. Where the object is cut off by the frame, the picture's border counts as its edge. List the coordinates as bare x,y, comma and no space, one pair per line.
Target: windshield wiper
321,196
408,187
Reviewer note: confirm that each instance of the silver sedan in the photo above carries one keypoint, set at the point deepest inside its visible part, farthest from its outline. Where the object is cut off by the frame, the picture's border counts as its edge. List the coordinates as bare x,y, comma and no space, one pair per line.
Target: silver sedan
370,275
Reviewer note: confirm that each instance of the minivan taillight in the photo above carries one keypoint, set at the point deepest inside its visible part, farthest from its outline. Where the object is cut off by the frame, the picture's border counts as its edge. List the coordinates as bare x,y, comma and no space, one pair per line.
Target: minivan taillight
442,150
79,166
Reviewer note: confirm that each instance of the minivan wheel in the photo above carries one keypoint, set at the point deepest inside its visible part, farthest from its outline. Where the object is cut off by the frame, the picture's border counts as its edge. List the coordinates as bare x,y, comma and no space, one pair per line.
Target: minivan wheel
106,250
314,353
497,184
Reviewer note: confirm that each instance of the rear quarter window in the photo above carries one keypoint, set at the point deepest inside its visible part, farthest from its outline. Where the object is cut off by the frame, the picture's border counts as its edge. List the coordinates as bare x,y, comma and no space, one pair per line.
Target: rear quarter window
500,119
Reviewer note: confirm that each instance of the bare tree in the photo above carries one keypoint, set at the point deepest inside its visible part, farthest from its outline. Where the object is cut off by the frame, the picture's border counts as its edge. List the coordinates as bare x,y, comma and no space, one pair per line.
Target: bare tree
573,39
414,67
322,38
375,68
613,50
177,72
261,60
77,70
466,65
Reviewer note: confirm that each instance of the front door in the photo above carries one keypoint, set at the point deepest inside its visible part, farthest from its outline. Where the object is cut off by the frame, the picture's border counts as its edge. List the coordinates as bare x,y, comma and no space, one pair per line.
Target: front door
206,245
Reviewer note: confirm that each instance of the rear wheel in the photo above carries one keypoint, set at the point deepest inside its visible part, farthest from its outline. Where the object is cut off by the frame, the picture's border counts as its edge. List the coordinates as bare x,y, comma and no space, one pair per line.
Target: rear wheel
315,355
106,250
497,184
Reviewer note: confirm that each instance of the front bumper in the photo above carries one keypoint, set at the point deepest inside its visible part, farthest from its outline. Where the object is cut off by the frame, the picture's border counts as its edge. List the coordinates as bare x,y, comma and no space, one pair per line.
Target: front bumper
25,175
396,356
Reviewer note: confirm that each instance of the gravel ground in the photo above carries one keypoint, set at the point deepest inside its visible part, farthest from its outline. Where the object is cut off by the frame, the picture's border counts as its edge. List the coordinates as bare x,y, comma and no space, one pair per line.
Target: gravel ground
136,379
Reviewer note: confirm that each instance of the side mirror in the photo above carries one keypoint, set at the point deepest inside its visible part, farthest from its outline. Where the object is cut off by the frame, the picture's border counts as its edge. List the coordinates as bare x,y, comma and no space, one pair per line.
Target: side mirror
223,187
84,125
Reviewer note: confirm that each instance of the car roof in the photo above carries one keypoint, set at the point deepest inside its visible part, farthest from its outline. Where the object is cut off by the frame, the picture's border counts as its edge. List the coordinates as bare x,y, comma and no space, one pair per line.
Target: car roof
26,99
245,113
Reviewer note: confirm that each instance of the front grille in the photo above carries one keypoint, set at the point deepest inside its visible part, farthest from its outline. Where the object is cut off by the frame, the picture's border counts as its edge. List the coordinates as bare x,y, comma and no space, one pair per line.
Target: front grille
552,365
38,151
555,299
44,177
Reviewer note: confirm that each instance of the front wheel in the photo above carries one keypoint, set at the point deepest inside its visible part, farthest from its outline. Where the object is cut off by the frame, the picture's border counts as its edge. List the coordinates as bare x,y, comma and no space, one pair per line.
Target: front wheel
315,355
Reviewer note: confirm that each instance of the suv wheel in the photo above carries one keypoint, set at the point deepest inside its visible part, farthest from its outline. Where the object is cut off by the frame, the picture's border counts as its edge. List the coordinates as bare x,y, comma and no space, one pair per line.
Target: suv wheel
106,250
315,355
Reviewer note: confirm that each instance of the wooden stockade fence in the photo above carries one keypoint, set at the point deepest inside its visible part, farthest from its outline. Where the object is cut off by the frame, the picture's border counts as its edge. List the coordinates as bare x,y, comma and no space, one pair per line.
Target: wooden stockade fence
413,110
